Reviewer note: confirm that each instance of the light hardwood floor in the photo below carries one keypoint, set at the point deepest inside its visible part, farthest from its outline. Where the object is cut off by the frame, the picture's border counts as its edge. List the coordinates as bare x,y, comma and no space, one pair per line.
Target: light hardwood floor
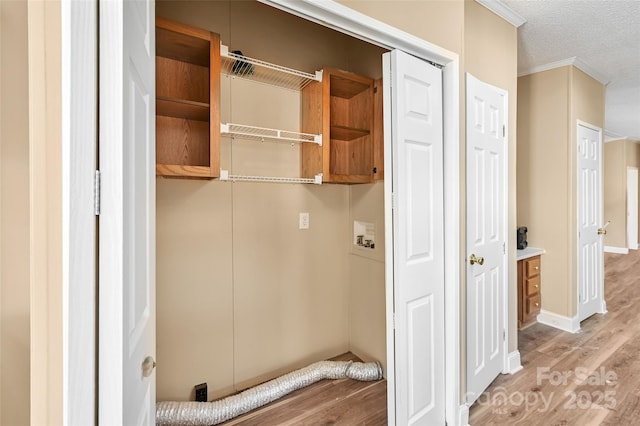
601,365
327,402
588,378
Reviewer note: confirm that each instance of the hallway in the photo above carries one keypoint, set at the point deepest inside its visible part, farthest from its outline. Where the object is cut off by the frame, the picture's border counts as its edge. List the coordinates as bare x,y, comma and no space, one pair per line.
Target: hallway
588,378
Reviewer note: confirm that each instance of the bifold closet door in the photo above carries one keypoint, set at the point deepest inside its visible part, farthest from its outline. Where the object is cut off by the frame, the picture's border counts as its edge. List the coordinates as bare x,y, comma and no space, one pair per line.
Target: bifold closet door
418,242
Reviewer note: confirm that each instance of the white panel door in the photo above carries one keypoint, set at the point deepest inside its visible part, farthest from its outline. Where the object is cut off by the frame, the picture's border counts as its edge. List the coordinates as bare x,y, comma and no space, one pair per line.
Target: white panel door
127,219
486,226
418,246
589,200
632,208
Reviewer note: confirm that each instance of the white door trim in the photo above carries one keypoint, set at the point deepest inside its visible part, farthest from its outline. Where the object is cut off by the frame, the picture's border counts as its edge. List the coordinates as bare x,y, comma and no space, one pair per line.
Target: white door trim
632,244
348,21
79,123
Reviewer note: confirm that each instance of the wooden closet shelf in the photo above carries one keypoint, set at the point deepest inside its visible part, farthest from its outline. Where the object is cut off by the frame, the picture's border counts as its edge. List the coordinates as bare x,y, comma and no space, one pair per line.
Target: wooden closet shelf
347,133
347,88
181,42
180,108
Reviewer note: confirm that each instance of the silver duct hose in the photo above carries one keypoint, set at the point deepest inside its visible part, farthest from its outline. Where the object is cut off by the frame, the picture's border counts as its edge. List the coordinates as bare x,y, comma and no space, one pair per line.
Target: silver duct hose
211,413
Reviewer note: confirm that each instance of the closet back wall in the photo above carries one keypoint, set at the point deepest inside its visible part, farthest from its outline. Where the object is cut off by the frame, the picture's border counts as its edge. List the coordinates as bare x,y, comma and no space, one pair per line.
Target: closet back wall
243,295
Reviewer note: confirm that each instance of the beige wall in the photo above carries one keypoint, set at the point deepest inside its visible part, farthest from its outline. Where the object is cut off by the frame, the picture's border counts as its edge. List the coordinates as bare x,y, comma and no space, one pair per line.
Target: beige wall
543,177
615,193
632,153
439,22
491,55
367,297
632,159
549,105
618,155
14,215
243,295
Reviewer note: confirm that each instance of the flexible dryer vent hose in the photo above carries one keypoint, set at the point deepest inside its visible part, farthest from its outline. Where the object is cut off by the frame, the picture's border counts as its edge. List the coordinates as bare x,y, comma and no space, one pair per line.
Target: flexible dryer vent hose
210,413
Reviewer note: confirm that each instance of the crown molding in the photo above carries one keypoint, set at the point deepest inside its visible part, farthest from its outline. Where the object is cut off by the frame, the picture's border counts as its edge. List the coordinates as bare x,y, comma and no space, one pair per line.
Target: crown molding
503,11
614,137
598,75
576,62
610,136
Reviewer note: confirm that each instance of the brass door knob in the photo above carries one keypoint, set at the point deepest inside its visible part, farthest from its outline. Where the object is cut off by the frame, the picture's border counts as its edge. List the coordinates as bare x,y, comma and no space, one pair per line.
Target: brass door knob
602,231
473,260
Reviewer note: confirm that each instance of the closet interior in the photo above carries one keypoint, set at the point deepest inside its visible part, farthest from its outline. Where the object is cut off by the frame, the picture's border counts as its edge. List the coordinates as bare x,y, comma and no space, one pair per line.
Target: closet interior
270,216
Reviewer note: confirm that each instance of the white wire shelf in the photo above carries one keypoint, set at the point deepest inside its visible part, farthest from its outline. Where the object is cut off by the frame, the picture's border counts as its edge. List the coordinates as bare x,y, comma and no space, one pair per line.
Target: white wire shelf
224,175
235,65
262,133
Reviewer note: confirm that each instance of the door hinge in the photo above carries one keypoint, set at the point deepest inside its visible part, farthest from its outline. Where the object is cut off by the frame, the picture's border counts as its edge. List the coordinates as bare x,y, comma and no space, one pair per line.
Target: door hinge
393,200
504,130
504,248
96,193
504,335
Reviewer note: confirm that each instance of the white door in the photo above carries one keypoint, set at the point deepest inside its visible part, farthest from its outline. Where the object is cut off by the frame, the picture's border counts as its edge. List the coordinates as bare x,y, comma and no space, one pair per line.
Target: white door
589,200
418,247
127,218
632,208
486,234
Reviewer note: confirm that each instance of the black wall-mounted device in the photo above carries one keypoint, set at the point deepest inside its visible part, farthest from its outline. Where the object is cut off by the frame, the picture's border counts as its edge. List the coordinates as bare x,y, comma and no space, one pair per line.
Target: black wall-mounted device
522,238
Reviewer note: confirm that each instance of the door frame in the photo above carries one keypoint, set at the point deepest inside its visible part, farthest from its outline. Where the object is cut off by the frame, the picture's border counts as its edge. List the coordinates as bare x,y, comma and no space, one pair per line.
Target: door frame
506,365
79,94
635,170
348,21
603,304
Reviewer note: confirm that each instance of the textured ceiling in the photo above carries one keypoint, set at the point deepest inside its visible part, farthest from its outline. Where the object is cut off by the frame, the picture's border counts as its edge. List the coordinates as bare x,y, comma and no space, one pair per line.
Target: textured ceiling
604,35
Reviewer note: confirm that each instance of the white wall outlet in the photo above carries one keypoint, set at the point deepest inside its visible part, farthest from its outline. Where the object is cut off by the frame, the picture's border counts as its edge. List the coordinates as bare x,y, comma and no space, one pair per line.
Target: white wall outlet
304,221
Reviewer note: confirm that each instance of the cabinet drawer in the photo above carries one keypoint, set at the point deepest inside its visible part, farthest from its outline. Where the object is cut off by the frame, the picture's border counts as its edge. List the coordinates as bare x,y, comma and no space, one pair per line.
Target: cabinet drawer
533,305
532,285
532,267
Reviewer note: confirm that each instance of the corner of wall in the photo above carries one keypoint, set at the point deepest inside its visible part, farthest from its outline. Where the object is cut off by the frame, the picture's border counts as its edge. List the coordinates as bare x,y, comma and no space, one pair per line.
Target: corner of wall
367,297
14,216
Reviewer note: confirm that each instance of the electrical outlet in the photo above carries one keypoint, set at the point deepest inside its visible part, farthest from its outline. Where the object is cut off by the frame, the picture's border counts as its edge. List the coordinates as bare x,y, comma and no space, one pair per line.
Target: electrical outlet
304,221
201,392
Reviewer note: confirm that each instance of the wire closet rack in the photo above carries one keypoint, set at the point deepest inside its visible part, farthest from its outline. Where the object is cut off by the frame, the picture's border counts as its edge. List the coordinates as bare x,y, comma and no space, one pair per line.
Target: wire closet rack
236,65
233,64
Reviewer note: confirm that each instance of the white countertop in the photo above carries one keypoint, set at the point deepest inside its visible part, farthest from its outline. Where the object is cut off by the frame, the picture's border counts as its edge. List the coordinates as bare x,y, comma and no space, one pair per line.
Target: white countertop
528,252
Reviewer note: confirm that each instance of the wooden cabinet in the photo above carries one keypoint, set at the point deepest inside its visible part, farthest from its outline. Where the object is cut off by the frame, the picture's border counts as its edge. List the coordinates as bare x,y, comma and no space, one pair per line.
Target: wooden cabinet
529,300
343,108
187,101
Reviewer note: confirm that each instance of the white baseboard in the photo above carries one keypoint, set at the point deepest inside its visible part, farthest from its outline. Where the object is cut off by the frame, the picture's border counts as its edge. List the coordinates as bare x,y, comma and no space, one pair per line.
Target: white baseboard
618,250
513,363
572,325
463,415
